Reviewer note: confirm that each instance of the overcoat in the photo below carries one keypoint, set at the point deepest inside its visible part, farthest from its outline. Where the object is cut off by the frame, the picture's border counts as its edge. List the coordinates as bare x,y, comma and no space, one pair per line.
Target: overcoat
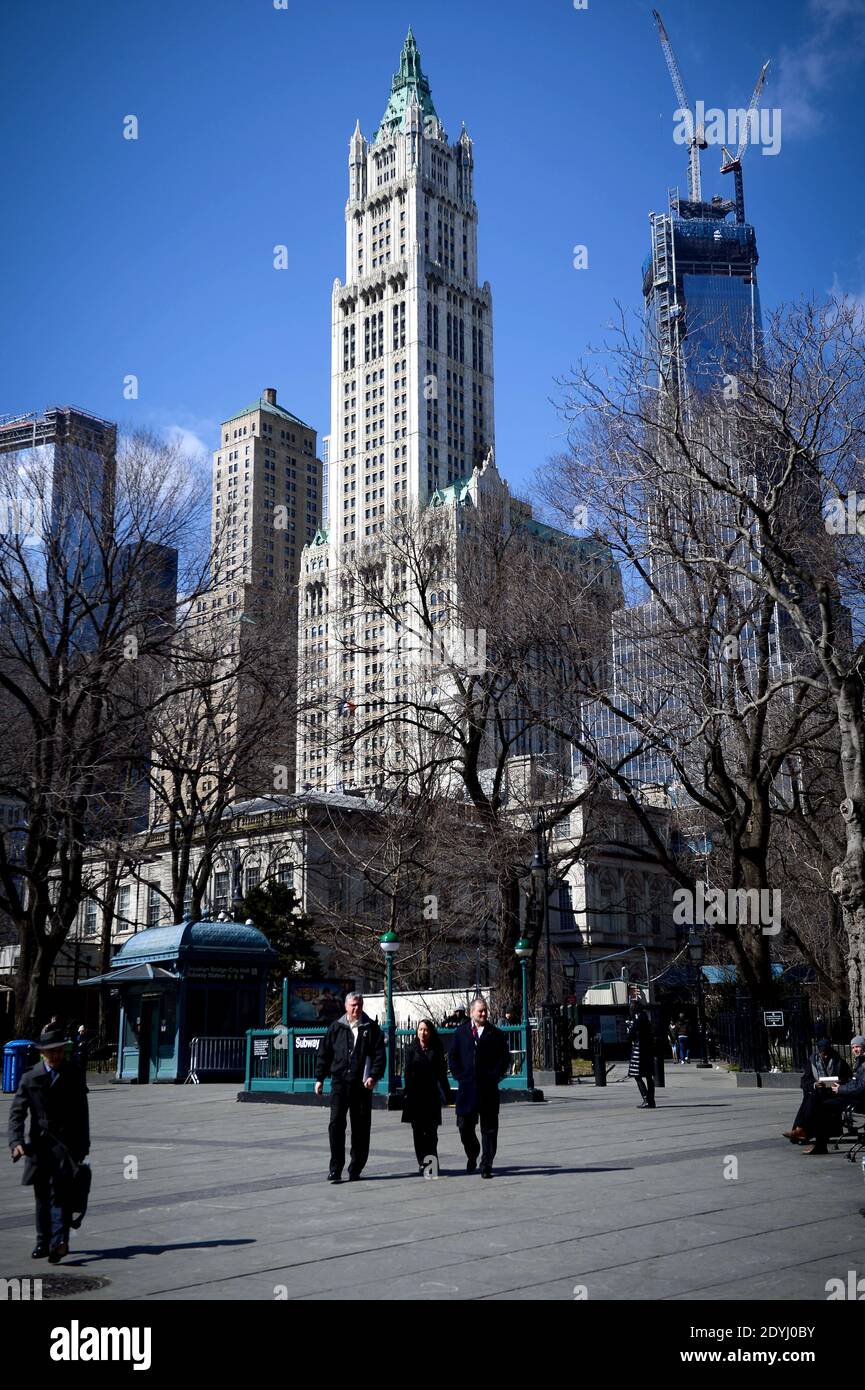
59,1134
642,1045
478,1067
426,1086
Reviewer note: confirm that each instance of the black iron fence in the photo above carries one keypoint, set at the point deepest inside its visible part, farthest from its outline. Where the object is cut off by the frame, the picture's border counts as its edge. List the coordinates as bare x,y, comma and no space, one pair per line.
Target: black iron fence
755,1038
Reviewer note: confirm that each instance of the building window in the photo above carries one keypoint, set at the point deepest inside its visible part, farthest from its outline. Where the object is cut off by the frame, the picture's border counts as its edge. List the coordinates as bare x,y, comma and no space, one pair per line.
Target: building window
220,890
154,906
90,917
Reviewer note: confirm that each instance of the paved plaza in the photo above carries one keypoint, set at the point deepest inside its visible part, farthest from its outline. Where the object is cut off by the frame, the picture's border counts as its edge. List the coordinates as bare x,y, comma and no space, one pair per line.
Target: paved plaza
591,1195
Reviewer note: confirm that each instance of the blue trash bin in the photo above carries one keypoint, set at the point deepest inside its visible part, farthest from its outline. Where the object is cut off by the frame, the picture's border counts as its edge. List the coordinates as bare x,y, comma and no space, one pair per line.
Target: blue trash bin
16,1059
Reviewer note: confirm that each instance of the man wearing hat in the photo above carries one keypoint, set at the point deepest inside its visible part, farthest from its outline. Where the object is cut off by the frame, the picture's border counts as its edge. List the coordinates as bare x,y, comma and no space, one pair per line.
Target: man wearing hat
851,1094
55,1094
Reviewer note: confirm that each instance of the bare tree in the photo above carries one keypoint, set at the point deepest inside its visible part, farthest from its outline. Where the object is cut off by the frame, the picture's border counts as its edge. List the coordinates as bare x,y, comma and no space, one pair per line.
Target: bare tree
86,612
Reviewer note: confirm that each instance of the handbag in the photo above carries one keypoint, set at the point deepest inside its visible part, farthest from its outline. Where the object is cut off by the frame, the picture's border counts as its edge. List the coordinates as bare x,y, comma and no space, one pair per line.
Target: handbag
79,1183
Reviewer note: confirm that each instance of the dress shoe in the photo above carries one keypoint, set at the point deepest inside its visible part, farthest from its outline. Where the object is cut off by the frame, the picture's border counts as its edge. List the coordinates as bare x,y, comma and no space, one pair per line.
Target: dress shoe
334,1176
354,1177
815,1149
796,1135
39,1251
472,1165
56,1253
486,1172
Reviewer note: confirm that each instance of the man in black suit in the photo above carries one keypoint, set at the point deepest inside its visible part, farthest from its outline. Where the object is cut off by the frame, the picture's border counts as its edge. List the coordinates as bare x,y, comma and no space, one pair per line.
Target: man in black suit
352,1053
479,1059
54,1092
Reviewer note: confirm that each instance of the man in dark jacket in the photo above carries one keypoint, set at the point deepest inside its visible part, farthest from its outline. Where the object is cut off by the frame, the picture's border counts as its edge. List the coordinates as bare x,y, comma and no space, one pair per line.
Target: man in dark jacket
54,1093
827,1120
479,1059
352,1054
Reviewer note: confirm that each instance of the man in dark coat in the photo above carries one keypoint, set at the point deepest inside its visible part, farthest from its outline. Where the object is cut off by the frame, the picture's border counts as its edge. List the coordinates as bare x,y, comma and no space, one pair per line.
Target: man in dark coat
642,1063
479,1059
827,1120
352,1053
54,1093
823,1062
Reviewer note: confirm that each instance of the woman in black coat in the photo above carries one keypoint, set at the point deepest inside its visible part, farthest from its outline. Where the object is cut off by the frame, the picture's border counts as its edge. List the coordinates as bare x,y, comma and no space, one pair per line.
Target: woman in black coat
641,1066
426,1087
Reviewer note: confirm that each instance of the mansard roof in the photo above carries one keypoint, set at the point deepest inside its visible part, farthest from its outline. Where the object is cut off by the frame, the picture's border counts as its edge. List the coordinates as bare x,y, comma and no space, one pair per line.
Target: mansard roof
408,84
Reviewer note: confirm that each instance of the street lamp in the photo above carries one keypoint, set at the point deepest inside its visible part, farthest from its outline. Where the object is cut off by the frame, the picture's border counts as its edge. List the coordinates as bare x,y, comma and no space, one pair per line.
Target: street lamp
540,886
696,951
389,944
523,952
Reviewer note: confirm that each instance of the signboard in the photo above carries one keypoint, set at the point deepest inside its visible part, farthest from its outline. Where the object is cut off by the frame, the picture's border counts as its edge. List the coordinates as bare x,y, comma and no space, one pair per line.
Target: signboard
773,1018
259,1047
317,1001
305,1043
533,1023
222,972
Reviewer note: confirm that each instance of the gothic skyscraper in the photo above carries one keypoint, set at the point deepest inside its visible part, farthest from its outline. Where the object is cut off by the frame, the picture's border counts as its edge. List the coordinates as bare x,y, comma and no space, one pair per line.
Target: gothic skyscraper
411,363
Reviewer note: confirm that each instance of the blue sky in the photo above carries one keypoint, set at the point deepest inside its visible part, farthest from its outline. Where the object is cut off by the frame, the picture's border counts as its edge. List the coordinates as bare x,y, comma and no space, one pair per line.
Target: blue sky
154,257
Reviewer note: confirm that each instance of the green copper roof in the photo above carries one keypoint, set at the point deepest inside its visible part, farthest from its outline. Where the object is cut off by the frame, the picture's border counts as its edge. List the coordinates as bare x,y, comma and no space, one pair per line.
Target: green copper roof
409,81
454,492
262,404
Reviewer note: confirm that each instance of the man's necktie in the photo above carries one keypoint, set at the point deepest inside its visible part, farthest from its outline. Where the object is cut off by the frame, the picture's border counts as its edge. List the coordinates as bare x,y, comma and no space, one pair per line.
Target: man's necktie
474,1033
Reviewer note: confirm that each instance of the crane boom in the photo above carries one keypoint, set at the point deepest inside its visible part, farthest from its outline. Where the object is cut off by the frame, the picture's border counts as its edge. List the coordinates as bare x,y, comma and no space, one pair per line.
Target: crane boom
697,140
752,105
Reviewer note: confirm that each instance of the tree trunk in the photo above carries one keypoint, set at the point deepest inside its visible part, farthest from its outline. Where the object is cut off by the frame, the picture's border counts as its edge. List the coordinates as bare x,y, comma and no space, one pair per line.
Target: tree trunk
31,988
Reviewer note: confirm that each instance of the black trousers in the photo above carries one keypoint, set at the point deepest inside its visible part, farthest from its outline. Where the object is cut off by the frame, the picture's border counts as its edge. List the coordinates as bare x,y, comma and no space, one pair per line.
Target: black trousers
352,1100
51,1189
426,1141
646,1086
467,1126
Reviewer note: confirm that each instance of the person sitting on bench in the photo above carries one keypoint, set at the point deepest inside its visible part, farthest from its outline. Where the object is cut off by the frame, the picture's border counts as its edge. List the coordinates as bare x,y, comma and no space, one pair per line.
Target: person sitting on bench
823,1062
828,1119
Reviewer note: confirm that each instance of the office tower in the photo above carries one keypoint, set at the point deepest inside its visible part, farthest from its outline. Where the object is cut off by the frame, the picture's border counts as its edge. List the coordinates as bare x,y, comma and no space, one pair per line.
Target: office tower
266,504
266,496
79,452
412,427
411,357
700,290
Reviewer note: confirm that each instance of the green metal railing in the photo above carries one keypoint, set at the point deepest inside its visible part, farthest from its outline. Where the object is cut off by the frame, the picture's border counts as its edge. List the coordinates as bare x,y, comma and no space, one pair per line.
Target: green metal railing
283,1059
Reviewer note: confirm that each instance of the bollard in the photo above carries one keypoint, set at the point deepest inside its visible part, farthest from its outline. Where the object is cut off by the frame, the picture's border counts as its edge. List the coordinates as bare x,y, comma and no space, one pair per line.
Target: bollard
598,1060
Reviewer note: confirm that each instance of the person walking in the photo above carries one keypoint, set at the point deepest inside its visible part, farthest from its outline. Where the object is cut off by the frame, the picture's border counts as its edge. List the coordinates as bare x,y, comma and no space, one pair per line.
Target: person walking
641,1065
479,1060
682,1039
352,1054
82,1047
54,1094
426,1089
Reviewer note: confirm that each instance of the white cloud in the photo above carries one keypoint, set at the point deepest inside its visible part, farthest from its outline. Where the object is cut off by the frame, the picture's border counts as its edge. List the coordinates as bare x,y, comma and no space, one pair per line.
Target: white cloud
806,73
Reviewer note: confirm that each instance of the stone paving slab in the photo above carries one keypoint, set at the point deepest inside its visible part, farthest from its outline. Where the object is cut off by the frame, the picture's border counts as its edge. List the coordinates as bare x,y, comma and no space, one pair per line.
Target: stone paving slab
230,1202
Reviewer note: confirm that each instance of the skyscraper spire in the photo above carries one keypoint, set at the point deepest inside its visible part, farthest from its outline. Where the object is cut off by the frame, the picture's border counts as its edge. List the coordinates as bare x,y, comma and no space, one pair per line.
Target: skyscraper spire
409,81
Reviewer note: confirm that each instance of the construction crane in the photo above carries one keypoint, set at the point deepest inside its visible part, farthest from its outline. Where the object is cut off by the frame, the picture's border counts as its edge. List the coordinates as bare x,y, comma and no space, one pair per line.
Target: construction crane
733,163
698,137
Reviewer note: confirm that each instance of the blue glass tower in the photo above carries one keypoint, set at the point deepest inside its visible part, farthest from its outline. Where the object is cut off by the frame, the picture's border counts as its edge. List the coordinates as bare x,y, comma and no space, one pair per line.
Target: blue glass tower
700,290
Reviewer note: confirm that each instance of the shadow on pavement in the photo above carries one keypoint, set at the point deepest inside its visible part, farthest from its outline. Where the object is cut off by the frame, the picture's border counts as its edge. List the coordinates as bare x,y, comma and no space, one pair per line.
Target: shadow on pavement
128,1252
